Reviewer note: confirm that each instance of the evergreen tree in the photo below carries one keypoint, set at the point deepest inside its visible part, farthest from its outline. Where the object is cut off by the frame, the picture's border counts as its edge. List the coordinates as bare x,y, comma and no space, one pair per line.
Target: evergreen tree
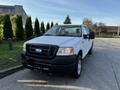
37,28
47,26
13,22
28,28
1,18
1,33
56,24
52,24
67,20
19,28
42,28
7,27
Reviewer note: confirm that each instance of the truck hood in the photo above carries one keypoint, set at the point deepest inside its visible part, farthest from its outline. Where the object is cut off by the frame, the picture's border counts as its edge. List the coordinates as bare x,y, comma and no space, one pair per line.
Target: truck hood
53,40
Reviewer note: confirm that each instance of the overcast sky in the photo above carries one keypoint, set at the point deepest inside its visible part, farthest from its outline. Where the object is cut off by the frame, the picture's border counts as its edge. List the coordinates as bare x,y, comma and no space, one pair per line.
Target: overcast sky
107,11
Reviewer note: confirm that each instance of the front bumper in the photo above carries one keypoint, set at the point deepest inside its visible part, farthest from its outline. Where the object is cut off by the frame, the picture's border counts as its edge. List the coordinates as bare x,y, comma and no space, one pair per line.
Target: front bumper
57,64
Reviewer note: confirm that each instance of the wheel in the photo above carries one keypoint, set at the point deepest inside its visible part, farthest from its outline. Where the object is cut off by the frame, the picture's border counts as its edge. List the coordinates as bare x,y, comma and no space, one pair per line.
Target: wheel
78,67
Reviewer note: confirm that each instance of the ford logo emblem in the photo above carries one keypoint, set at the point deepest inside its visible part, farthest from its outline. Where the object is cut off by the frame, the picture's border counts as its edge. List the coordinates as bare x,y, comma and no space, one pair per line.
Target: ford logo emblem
38,50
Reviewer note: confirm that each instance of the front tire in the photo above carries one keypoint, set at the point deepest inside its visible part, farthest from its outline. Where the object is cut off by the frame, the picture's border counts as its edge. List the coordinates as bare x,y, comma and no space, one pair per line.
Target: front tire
78,67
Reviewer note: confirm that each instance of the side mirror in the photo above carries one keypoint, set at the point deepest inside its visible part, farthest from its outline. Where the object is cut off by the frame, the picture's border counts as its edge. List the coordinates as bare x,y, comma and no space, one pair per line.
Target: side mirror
92,35
86,36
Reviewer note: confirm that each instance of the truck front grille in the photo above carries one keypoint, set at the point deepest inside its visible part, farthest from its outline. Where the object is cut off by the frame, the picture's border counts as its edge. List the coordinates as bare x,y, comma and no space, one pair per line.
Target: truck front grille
41,51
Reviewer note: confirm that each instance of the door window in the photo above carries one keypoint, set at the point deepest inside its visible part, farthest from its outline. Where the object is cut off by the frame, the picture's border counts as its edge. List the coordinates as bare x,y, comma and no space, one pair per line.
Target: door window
85,30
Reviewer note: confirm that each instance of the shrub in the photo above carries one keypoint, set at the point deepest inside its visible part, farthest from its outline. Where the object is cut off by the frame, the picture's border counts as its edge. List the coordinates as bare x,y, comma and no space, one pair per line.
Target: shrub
47,26
37,28
42,28
1,19
28,28
7,27
56,24
13,21
52,24
19,28
1,33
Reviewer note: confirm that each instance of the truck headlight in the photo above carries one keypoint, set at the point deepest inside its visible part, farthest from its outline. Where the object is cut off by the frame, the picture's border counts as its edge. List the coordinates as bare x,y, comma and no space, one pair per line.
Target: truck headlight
65,51
24,47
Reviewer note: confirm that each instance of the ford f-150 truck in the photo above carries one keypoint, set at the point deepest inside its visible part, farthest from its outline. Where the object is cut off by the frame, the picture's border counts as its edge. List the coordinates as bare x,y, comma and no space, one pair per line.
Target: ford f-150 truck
60,49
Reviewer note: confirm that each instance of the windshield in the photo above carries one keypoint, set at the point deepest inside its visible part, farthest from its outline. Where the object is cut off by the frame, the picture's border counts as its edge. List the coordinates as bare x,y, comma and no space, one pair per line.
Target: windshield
64,31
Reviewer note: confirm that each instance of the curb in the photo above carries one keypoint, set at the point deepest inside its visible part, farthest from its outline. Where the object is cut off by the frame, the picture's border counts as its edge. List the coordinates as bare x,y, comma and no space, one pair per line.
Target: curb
9,71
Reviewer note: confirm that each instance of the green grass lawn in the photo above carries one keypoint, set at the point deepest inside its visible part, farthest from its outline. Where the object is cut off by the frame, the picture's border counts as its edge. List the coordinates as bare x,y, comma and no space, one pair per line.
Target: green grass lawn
10,58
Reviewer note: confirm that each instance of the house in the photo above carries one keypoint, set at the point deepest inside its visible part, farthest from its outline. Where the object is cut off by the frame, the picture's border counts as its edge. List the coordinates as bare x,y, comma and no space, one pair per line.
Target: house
111,30
14,10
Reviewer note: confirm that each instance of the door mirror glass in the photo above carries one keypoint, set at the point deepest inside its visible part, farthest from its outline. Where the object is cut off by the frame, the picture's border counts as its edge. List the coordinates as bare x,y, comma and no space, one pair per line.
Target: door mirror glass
92,35
86,36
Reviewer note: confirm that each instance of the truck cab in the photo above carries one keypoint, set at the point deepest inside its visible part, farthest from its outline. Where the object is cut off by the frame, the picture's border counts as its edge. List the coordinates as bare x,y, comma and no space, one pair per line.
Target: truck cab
60,49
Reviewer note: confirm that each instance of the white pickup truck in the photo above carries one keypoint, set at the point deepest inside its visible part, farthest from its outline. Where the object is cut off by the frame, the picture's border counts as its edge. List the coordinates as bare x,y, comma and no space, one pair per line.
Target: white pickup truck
60,49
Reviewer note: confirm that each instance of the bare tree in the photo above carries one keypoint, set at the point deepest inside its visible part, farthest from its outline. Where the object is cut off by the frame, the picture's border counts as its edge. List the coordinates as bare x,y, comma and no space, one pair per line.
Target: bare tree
89,23
101,28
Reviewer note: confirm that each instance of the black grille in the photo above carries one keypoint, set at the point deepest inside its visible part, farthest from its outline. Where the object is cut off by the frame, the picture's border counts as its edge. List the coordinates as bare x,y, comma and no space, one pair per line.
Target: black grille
41,51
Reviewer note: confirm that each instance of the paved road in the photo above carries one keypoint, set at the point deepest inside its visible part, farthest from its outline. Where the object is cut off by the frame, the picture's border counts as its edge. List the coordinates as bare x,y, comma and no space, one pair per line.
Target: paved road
101,71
